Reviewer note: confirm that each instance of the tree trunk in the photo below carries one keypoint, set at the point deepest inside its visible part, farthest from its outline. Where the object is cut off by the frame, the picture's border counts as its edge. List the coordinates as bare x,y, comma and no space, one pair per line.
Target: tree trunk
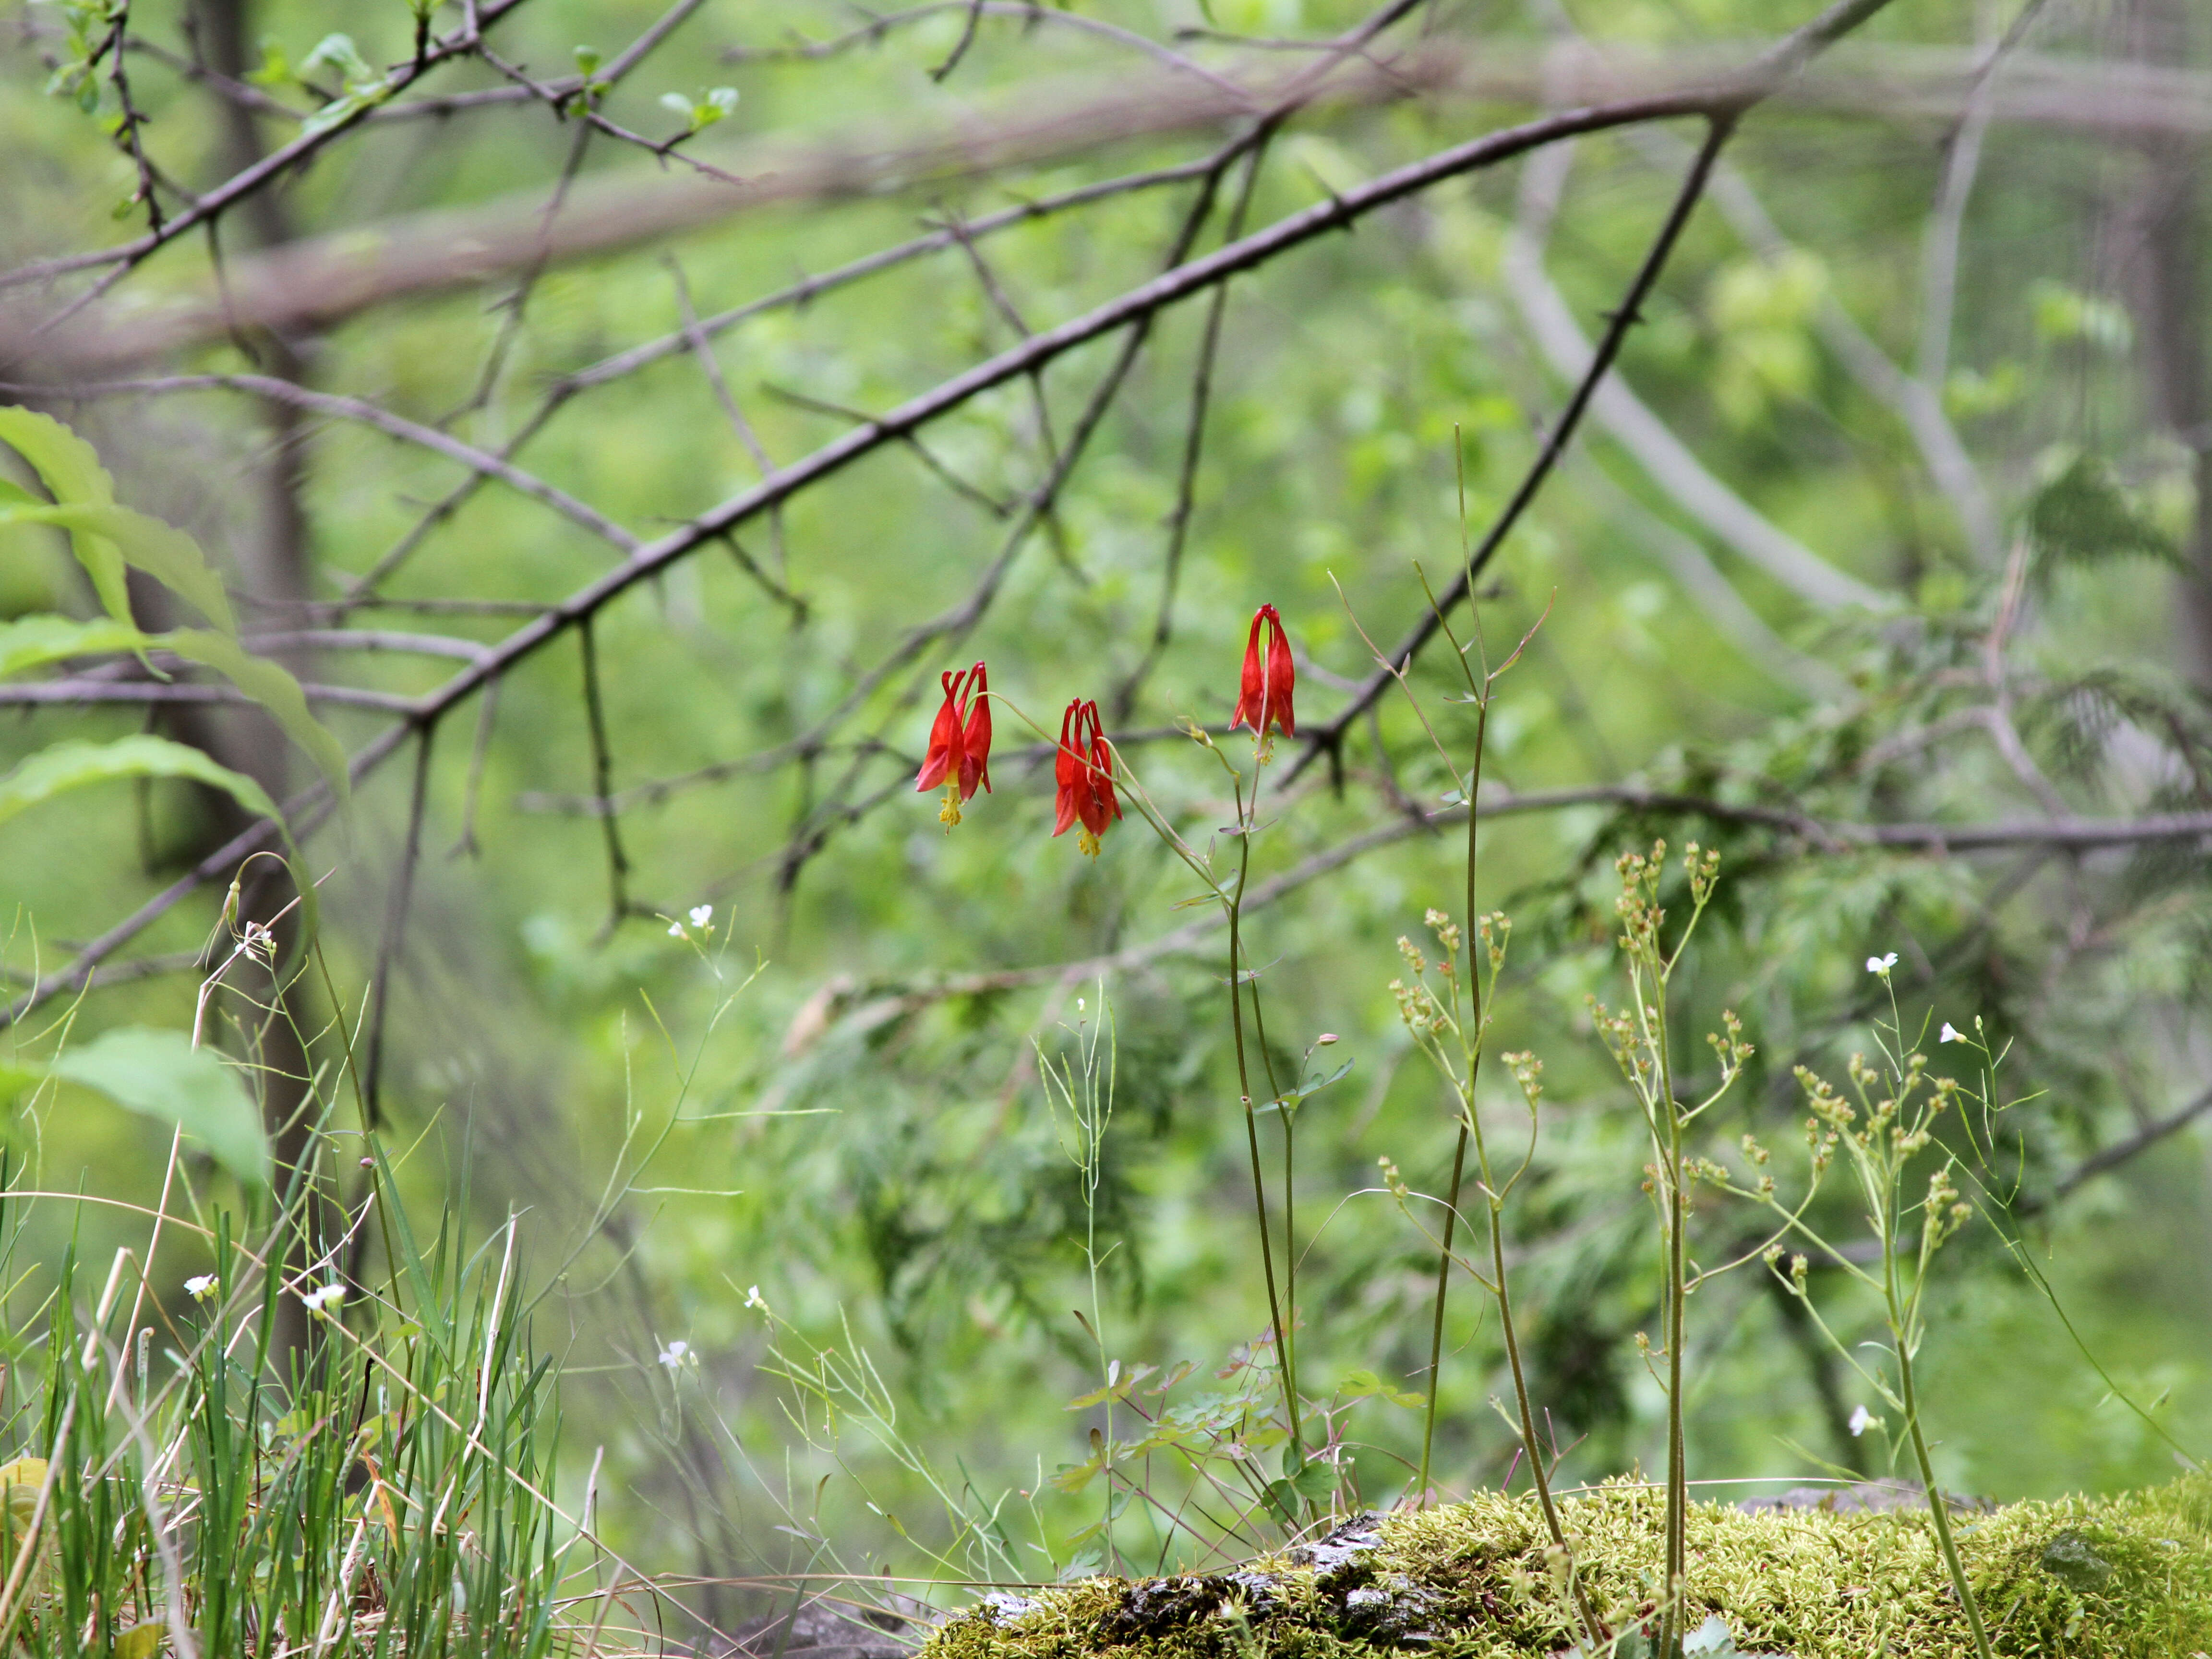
2155,250
275,562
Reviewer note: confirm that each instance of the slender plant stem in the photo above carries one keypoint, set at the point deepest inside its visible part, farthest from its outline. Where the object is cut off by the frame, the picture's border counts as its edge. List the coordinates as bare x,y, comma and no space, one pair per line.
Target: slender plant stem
1938,1509
1539,1472
1244,1092
1444,1283
1678,1489
1528,1441
1287,1113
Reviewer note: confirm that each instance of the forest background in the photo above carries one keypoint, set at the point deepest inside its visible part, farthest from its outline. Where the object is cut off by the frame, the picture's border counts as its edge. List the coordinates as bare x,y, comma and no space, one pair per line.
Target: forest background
1883,564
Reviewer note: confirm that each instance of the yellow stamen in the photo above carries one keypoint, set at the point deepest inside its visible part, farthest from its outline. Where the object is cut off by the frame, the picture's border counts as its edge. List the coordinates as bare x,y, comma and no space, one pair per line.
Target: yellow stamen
1086,843
949,814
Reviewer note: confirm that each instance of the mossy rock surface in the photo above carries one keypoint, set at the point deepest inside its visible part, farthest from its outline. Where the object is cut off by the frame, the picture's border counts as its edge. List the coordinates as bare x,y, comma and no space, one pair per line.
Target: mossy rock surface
2126,1577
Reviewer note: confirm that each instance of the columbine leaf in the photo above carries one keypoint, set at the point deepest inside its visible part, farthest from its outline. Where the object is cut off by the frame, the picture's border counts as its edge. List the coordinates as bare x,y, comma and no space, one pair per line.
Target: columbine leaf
159,1075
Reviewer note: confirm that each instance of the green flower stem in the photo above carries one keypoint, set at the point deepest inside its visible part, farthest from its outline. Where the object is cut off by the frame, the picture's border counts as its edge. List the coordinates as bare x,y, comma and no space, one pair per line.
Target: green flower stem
1443,1284
1938,1510
1251,1121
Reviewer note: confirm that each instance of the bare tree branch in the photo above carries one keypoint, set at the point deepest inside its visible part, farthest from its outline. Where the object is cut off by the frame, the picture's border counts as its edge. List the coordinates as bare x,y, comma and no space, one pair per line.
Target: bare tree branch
129,255
1132,310
369,414
2111,1157
312,284
1664,458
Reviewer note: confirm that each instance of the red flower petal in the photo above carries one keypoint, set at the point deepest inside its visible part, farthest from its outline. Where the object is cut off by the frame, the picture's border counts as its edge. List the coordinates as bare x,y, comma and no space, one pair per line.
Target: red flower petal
976,740
946,748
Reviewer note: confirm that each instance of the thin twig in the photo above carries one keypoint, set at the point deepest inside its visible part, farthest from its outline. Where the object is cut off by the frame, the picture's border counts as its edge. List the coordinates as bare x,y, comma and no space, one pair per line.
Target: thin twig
395,924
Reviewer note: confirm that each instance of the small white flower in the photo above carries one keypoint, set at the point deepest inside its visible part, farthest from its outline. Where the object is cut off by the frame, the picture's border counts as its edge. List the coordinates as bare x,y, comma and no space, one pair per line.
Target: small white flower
200,1286
1882,964
323,1298
702,915
754,1299
675,1354
676,930
1950,1034
1860,1418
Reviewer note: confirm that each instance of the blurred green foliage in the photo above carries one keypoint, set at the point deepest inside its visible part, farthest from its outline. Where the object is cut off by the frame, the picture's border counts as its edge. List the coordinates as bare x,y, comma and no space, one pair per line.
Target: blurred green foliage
859,1136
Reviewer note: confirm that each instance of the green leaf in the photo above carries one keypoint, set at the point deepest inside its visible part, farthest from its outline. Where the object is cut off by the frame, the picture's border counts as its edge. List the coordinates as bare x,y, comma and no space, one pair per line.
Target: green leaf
1364,1384
1315,1481
271,687
339,52
1292,1096
65,766
33,642
2084,515
161,550
159,1075
70,470
276,69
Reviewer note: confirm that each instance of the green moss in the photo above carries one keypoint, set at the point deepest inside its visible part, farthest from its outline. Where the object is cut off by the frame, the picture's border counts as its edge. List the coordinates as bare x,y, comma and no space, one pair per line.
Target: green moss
2126,1577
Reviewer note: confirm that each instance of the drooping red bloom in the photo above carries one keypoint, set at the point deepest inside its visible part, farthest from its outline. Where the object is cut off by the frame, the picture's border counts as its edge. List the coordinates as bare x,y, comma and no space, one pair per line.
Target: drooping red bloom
1264,698
959,756
1083,769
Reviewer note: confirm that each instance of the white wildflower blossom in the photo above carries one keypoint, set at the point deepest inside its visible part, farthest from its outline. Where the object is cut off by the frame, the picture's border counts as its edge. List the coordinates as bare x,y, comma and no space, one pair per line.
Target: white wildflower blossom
702,915
201,1287
676,1354
1951,1033
1882,964
323,1299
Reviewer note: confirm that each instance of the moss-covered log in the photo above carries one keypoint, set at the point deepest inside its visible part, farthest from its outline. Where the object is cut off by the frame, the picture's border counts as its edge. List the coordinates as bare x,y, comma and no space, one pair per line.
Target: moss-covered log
2127,1577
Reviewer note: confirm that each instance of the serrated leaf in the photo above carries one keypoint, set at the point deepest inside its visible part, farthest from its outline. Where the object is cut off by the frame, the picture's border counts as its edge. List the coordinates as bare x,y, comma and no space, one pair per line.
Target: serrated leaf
275,689
160,1075
33,642
70,470
161,550
1315,1481
65,766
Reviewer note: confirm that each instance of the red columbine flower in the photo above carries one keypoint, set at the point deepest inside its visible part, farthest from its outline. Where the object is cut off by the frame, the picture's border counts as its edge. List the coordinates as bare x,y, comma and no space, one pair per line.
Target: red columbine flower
1083,769
959,755
1264,699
